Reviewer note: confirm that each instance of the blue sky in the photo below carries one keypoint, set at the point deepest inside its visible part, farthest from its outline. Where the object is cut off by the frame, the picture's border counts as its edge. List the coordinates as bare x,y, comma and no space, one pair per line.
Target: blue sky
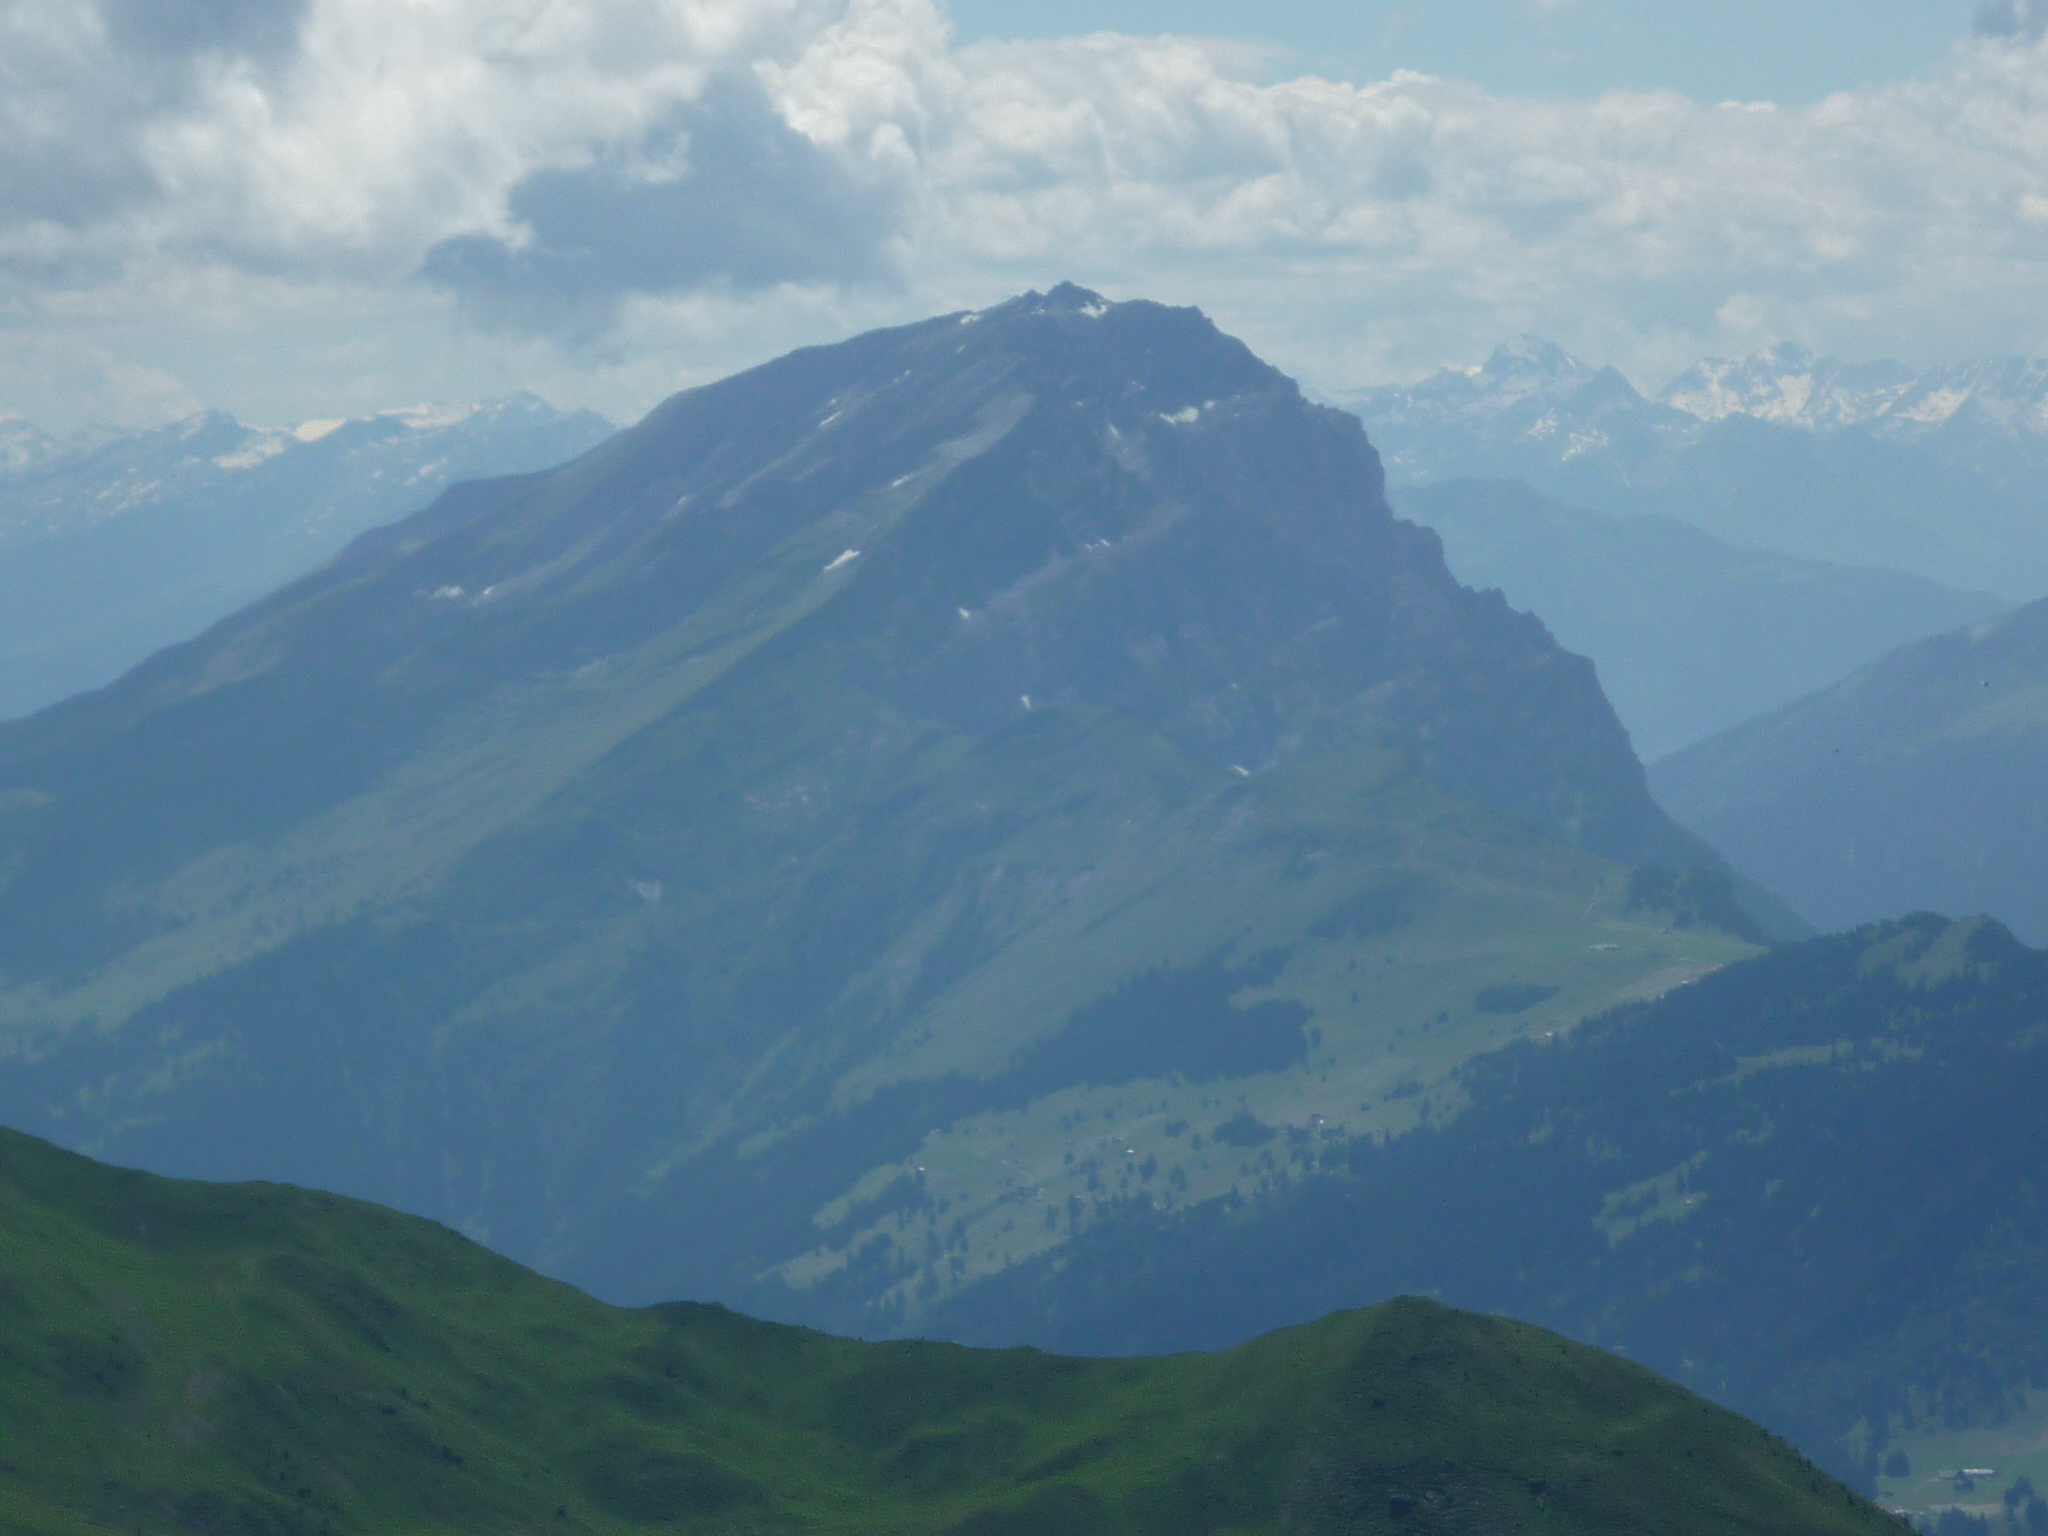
297,209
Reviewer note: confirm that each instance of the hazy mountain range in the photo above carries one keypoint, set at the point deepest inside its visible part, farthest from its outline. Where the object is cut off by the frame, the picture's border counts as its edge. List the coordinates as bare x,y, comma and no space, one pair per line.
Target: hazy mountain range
1691,634
120,543
1919,782
1989,413
1940,473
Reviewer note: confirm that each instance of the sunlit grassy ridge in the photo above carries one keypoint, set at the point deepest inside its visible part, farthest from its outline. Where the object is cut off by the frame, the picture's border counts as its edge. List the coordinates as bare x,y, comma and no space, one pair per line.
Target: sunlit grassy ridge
257,1358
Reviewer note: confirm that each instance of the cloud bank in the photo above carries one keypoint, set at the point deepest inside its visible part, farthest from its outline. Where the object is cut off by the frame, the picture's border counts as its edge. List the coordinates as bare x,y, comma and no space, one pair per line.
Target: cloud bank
633,190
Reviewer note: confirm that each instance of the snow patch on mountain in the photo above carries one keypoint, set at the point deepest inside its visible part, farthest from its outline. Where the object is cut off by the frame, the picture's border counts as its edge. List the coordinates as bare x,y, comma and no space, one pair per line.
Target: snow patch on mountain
261,446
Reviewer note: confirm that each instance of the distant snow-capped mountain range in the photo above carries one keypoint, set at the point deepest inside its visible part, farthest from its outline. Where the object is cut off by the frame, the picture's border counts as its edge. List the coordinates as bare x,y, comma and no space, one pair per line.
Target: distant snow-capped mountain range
1941,472
1789,384
402,456
1536,390
113,544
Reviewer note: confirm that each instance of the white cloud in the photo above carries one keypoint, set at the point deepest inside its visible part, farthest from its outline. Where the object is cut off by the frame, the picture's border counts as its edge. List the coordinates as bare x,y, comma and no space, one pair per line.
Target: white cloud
398,124
108,387
1347,230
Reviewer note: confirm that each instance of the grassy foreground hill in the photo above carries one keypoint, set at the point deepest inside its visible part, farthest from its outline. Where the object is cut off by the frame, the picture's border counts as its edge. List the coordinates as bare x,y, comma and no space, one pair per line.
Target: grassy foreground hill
258,1358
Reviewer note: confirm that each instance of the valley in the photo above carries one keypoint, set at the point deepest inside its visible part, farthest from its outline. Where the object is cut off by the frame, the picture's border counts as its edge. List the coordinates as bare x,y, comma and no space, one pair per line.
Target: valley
1691,635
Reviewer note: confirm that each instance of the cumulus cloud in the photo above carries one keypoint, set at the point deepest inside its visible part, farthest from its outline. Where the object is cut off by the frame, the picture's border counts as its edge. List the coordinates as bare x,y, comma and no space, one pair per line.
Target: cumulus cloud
68,126
355,135
1410,200
725,192
1630,213
554,165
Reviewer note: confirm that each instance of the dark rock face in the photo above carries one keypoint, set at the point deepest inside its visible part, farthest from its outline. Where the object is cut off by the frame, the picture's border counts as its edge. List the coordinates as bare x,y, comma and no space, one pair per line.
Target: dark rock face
527,860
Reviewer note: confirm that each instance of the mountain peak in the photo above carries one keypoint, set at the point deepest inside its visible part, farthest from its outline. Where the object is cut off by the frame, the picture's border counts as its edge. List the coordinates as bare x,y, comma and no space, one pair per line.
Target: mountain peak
901,735
1074,296
1062,298
1531,398
1527,355
1788,383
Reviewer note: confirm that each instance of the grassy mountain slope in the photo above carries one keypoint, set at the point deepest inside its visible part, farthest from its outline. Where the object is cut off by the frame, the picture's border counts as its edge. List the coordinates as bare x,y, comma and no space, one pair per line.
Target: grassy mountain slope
1691,635
772,857
1808,1185
1915,783
259,1358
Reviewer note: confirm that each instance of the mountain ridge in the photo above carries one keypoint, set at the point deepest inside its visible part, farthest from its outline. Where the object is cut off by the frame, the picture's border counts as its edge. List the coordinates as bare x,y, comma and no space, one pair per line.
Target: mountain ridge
2006,396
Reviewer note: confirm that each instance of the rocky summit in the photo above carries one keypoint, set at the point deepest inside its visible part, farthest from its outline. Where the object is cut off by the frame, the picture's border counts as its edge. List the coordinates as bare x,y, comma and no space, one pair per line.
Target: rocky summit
839,837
